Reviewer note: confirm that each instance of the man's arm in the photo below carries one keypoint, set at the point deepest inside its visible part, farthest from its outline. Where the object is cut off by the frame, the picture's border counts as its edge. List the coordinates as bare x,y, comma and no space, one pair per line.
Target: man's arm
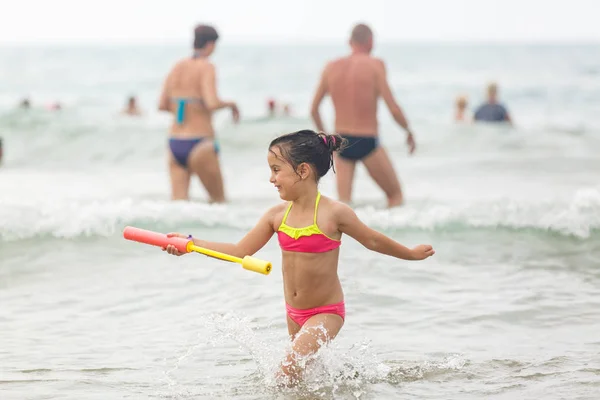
385,91
318,98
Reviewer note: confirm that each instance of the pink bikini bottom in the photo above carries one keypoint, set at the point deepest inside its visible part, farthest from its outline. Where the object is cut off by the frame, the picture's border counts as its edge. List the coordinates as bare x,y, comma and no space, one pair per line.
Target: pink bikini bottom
301,316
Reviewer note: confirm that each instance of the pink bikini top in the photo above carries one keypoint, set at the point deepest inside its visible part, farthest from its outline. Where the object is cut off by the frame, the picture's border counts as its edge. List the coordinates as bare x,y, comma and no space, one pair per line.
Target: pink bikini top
309,239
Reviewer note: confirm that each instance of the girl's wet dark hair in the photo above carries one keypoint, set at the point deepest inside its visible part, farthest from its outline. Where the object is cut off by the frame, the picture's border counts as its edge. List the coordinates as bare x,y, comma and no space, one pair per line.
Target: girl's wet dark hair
306,146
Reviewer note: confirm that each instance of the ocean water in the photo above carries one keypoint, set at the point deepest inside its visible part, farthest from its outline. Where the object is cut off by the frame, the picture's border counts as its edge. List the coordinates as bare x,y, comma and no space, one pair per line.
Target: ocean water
508,308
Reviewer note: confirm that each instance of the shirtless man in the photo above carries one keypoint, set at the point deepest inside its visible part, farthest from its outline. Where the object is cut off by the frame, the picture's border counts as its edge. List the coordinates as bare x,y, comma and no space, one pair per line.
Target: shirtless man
355,84
190,93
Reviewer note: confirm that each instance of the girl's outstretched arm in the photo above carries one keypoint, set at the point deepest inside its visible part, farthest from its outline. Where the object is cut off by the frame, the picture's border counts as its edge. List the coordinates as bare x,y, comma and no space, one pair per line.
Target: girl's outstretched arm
252,242
351,225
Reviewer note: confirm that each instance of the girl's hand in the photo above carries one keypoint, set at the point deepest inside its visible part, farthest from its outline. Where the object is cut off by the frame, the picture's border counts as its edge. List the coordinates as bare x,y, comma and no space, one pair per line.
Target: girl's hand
172,249
422,251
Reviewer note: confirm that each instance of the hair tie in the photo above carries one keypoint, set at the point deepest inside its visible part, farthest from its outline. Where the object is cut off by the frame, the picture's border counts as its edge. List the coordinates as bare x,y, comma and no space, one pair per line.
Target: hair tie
325,140
333,139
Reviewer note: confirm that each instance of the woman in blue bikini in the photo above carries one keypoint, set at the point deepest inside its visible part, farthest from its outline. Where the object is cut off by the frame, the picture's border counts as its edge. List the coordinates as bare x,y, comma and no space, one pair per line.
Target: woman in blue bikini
190,93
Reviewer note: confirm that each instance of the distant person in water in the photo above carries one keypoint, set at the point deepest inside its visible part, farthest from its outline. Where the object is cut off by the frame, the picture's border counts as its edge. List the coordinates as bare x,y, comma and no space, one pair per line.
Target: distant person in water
355,84
461,109
25,104
56,106
190,94
271,108
492,110
132,107
287,110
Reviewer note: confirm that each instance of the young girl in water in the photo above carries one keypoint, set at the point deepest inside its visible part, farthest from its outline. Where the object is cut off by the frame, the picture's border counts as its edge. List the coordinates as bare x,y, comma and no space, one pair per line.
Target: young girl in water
309,228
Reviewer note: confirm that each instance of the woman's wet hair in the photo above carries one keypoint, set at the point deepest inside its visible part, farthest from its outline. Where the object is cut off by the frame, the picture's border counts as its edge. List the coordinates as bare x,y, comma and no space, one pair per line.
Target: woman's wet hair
204,34
307,146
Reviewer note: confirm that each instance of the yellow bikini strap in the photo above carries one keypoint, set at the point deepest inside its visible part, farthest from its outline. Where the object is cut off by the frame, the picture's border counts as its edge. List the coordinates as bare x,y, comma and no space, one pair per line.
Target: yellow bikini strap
317,206
286,213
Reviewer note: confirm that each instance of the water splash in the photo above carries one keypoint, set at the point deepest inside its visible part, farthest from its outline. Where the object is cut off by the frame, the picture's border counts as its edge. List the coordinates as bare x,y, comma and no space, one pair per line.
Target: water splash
333,372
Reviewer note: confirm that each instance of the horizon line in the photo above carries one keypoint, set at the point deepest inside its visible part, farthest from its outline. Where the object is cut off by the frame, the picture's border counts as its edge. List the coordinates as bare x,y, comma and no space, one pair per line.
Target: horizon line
292,42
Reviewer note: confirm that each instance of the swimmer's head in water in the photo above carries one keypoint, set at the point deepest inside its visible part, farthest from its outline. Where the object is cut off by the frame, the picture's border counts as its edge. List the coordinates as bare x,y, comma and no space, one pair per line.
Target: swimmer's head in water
204,35
492,90
362,37
308,147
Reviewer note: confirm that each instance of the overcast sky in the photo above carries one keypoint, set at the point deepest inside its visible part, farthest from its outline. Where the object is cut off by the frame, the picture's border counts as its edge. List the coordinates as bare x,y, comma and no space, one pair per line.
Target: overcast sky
171,21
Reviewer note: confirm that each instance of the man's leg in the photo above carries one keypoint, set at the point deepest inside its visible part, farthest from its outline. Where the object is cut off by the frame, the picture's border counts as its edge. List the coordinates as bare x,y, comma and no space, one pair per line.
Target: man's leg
380,168
344,176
